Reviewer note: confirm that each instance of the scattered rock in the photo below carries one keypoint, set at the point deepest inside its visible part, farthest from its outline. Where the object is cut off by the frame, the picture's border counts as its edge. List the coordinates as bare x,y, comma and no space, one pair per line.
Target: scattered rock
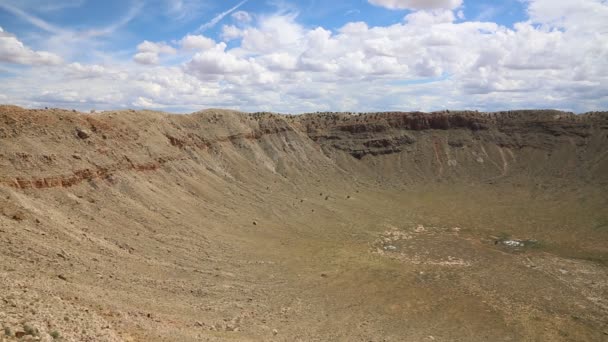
275,332
513,243
324,275
62,277
255,223
19,216
83,133
390,248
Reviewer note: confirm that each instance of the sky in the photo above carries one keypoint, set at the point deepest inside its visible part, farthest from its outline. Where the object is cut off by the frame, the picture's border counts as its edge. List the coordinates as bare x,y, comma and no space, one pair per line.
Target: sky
295,56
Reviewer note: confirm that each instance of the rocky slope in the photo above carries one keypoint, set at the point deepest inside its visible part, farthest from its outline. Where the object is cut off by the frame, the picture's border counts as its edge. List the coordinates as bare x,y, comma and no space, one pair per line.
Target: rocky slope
220,225
455,146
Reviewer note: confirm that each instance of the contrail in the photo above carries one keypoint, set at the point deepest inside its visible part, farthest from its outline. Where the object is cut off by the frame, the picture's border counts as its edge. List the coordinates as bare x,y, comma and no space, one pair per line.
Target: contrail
32,19
60,31
219,17
131,14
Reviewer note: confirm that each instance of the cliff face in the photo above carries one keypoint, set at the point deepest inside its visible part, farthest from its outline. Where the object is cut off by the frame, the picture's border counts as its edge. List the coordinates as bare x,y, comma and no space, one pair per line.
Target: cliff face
470,146
388,131
42,149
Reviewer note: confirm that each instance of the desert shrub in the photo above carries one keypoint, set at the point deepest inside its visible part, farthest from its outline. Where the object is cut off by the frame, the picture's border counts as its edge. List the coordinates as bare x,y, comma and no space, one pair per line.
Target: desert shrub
29,330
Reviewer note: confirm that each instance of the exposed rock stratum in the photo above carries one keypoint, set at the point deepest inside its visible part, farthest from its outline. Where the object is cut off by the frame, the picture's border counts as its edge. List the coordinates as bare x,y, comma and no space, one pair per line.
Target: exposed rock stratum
221,225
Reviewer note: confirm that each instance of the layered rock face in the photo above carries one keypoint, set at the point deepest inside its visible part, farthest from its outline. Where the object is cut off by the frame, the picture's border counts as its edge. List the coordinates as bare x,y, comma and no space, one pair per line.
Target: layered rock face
44,149
534,146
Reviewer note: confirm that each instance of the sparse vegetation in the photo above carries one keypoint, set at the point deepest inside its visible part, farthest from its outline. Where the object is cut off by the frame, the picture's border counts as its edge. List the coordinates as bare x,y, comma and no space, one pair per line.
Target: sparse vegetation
30,330
8,331
55,334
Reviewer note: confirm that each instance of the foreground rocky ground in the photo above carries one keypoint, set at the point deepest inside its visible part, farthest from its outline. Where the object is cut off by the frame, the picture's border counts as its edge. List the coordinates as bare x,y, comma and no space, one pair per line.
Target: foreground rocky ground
141,226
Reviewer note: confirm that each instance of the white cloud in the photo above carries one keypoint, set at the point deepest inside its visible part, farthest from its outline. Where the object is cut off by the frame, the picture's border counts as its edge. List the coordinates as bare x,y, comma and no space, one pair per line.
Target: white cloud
272,33
231,32
242,17
144,102
417,4
149,52
428,61
424,18
149,58
78,70
279,61
159,47
477,61
217,61
586,15
197,42
14,51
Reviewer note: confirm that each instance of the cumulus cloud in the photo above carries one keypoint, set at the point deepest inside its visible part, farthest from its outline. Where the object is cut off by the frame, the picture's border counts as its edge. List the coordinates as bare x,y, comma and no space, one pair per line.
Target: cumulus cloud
197,42
424,18
231,32
146,58
144,102
417,4
427,61
273,33
587,15
149,52
93,71
14,51
479,62
217,61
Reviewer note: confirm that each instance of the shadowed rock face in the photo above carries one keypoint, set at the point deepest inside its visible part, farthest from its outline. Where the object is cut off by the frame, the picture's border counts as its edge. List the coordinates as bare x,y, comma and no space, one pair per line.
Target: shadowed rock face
462,144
